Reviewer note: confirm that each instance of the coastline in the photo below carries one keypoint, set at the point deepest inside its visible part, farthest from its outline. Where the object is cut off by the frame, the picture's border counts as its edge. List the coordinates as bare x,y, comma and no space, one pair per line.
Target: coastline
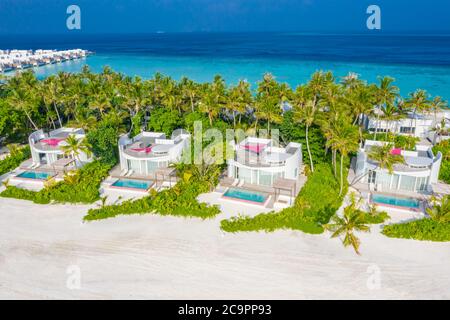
142,257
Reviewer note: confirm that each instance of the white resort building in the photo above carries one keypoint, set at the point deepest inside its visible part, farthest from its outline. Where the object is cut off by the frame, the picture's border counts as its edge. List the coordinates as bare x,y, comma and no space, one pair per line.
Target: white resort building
145,161
46,147
262,174
417,174
418,125
48,160
258,162
147,152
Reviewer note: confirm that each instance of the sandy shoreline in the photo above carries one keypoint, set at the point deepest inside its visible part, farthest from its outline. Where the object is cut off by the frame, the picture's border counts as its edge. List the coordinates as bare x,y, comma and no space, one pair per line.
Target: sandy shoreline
158,257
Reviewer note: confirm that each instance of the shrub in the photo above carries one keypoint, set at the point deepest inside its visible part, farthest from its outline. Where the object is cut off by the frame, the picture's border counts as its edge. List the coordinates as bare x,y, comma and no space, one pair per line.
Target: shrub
82,187
14,160
444,147
316,203
376,218
104,142
164,120
424,229
400,141
181,200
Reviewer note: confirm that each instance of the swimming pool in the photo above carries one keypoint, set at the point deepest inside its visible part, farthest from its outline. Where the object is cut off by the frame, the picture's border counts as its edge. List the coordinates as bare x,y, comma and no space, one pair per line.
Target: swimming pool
133,184
246,195
409,203
35,175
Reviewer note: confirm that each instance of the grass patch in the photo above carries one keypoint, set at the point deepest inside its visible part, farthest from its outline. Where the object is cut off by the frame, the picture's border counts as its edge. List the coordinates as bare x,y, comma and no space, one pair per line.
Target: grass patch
317,201
424,229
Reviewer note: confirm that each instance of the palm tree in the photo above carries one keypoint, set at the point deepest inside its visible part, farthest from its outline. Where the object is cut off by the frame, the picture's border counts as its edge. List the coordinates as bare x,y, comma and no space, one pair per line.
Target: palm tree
385,94
418,102
238,98
305,113
22,99
436,105
74,147
269,109
440,210
190,91
346,141
209,104
390,113
384,158
352,220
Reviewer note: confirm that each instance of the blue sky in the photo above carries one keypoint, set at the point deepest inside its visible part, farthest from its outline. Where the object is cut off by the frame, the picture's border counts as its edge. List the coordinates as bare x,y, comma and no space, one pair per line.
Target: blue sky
135,16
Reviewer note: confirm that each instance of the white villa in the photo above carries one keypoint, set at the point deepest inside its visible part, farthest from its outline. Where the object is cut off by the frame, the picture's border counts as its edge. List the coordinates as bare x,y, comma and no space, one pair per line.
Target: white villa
147,152
416,175
46,147
418,125
258,162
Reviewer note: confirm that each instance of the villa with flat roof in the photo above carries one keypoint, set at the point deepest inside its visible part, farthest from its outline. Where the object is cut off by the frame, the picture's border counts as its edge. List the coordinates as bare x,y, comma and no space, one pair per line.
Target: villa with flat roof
257,161
418,125
417,174
147,152
46,147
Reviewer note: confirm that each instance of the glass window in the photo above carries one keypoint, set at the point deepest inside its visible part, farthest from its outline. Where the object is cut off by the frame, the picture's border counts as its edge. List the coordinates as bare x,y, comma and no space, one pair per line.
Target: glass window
421,184
265,178
245,174
384,179
407,183
407,130
152,166
134,165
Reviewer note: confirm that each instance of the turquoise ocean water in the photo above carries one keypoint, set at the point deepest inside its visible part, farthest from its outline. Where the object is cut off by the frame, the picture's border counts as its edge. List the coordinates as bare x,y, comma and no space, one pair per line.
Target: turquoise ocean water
414,61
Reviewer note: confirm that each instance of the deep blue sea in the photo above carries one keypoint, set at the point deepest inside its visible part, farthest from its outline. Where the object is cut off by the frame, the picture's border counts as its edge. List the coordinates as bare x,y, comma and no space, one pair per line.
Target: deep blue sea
414,61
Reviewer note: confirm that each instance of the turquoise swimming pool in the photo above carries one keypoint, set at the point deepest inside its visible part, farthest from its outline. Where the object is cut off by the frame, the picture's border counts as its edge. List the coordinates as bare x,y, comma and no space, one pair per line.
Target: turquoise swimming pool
35,175
133,184
246,195
396,201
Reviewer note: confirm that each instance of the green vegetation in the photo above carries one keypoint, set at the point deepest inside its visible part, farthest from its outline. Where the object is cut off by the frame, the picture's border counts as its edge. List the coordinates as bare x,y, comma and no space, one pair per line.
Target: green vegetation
317,202
399,141
80,186
14,159
444,147
325,118
424,229
180,200
103,140
437,228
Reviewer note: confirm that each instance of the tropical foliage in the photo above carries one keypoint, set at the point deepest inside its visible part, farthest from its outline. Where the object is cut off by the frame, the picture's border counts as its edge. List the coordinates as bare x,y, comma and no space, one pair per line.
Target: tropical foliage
444,148
14,159
352,219
180,200
424,229
78,186
317,202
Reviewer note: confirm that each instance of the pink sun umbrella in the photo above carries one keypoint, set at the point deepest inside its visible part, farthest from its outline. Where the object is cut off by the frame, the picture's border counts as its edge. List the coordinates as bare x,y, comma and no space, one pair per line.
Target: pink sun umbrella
52,142
258,147
396,151
146,150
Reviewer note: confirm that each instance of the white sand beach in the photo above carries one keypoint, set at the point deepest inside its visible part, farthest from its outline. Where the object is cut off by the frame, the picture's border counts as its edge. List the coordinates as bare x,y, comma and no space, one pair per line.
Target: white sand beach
158,257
